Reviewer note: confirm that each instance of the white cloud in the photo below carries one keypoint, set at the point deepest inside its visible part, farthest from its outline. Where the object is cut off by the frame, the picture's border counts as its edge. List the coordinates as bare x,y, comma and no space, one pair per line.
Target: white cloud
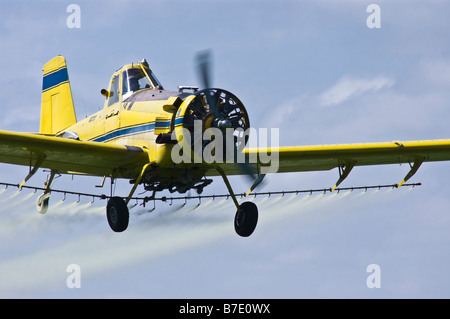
348,86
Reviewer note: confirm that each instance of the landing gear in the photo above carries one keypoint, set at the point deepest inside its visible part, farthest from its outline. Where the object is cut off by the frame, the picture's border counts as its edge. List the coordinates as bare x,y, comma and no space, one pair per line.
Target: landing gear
246,216
246,219
117,214
42,203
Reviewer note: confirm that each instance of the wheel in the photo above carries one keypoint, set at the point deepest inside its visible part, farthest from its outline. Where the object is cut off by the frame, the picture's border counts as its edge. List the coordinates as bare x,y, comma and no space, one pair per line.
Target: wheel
117,214
245,221
42,203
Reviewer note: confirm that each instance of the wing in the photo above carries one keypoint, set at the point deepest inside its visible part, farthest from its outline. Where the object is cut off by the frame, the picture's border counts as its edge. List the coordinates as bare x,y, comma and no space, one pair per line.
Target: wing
344,156
71,156
325,157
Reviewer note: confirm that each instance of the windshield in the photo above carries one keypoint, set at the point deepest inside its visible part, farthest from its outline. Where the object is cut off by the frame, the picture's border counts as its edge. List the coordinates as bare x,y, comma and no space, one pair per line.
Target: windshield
135,79
154,79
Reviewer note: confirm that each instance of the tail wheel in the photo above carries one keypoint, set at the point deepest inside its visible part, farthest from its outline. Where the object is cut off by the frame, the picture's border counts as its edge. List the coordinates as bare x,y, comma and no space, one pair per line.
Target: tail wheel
42,203
117,214
246,219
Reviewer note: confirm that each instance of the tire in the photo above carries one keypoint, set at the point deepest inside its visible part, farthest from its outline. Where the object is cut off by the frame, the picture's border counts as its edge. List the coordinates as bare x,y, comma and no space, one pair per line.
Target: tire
117,214
42,203
245,221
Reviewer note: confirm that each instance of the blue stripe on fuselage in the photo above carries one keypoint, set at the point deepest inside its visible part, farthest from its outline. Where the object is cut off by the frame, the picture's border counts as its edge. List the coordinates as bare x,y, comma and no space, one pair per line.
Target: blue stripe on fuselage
125,131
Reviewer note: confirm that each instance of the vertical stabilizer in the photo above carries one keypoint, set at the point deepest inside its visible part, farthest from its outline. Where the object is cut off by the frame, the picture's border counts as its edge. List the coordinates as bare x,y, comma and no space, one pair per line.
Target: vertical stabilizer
57,111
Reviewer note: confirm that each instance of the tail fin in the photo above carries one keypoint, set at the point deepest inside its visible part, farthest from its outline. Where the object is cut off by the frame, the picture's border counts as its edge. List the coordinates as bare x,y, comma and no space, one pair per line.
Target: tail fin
57,111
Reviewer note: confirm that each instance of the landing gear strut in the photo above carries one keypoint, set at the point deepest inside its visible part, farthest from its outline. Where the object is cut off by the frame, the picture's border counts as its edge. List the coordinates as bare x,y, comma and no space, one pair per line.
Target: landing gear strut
246,216
117,211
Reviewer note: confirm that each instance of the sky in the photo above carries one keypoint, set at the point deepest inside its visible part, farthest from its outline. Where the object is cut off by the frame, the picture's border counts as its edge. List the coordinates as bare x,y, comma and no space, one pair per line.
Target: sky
312,69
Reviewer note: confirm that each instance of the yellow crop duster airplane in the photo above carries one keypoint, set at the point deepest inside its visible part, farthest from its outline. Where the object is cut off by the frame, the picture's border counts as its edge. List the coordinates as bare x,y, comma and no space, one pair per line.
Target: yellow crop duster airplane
144,130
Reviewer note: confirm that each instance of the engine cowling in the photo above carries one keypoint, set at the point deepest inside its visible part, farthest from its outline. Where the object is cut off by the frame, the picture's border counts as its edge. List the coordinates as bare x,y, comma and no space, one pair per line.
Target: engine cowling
212,126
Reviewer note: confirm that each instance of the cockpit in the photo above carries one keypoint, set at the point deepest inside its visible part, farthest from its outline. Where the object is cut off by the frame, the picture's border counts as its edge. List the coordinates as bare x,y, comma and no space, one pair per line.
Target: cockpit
130,79
137,78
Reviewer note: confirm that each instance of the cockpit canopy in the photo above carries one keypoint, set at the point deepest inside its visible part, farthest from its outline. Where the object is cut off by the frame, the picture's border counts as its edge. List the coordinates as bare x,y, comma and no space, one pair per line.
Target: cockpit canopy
130,79
135,79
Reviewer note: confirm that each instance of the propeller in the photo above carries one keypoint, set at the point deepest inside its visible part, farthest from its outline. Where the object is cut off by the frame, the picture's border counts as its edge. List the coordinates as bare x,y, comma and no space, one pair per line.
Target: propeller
219,110
204,70
203,61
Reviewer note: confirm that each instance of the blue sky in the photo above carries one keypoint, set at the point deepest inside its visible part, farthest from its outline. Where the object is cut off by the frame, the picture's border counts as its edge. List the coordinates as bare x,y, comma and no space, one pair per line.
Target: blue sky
314,70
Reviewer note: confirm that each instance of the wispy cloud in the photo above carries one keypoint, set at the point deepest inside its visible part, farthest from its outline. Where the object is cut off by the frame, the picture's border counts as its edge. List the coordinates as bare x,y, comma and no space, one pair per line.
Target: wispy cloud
349,86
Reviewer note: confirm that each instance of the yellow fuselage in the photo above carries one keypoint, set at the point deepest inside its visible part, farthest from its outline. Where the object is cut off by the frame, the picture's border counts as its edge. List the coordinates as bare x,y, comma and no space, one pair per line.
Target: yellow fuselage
133,121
